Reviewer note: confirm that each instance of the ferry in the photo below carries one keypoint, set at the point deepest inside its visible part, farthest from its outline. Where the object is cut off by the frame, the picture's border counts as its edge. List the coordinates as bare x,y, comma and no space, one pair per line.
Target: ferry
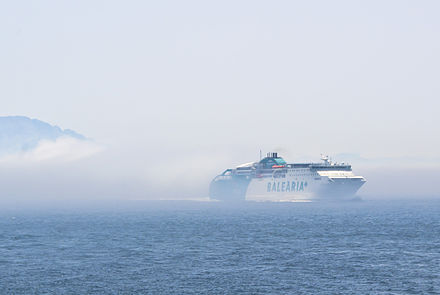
272,179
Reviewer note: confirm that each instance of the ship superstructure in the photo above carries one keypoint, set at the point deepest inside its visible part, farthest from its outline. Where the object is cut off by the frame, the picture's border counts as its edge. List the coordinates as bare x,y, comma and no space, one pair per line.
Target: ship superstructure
272,179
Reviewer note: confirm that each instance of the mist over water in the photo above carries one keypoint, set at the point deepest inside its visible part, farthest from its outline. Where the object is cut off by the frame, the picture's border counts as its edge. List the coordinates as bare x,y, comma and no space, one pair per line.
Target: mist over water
109,176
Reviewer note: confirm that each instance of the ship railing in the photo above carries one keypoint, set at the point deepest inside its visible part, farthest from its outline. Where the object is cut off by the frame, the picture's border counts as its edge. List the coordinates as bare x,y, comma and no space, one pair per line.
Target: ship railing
329,168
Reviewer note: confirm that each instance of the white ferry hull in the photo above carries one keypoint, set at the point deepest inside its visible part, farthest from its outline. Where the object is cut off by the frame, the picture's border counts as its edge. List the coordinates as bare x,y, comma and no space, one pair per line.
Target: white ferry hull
275,190
274,180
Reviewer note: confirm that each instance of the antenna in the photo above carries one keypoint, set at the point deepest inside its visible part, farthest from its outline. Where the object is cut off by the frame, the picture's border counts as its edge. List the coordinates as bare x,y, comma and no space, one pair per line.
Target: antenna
260,155
326,159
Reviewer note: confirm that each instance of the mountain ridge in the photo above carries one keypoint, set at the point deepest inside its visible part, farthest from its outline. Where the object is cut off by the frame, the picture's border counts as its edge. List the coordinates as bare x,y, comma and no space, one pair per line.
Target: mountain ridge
21,133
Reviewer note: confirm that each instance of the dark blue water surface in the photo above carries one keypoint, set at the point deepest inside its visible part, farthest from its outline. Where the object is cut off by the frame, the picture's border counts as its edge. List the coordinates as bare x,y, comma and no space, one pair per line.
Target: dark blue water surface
369,247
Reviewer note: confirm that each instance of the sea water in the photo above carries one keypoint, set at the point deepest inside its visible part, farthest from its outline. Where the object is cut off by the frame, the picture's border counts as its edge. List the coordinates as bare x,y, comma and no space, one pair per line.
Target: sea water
366,247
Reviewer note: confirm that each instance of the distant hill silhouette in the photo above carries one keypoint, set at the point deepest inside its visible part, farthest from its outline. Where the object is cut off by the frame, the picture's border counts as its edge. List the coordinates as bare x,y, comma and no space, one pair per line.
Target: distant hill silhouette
19,133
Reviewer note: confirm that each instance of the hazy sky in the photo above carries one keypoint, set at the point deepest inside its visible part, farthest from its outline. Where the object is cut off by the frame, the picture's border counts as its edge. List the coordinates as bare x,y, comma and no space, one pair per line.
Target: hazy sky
227,78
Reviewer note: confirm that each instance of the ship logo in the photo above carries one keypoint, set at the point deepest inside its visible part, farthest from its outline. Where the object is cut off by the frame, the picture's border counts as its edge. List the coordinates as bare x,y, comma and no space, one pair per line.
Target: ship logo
286,186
